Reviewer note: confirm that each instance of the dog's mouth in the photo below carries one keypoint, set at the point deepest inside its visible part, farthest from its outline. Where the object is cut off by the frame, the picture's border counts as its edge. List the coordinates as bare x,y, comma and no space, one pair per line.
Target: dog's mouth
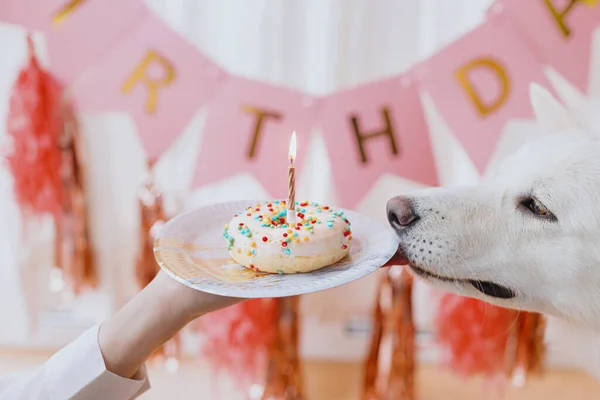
488,288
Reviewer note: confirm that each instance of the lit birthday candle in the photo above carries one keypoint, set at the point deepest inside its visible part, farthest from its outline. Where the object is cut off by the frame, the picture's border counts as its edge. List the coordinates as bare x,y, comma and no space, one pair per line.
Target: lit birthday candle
291,202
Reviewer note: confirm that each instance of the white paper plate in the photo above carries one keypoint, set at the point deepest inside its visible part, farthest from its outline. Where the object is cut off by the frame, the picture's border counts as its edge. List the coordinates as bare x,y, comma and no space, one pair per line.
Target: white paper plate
191,249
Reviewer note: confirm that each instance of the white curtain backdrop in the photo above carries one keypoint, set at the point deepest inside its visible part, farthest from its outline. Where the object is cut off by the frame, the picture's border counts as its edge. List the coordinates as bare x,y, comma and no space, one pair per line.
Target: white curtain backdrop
317,46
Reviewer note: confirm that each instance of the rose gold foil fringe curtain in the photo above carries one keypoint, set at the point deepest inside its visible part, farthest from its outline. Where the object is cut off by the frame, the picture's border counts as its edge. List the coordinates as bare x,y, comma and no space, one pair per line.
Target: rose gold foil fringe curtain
390,366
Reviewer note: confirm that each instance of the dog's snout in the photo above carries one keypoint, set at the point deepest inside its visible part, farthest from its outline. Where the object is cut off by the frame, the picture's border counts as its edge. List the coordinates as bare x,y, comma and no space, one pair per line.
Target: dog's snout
401,213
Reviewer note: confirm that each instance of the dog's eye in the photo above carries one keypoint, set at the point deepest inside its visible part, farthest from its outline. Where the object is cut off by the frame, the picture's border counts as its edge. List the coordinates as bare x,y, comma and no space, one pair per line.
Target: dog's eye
537,208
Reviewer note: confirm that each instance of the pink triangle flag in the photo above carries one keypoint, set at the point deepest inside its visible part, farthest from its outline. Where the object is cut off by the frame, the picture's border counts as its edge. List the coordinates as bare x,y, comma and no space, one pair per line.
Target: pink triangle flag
156,76
480,82
560,32
375,129
248,129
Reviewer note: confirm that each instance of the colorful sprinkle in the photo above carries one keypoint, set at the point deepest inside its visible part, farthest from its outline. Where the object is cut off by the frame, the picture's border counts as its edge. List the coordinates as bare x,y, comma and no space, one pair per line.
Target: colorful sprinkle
264,239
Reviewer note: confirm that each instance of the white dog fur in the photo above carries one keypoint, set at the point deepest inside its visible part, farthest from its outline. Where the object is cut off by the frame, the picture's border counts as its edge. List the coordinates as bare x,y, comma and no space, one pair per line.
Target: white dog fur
549,257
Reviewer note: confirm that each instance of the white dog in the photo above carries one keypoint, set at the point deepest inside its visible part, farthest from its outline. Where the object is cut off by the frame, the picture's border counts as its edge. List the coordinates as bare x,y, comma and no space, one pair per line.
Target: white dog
529,238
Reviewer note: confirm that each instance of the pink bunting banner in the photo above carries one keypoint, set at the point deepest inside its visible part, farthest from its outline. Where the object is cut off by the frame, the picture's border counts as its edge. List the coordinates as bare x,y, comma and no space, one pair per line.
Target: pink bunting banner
248,130
155,75
122,58
63,23
376,129
560,32
480,82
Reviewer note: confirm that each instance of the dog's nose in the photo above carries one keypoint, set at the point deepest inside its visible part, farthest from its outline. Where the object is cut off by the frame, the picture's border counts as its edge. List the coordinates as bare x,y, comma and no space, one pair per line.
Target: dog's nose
401,213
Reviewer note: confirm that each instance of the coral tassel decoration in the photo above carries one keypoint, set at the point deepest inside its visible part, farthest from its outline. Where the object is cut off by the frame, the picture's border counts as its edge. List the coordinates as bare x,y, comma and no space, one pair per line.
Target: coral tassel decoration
35,126
489,340
45,161
475,335
237,340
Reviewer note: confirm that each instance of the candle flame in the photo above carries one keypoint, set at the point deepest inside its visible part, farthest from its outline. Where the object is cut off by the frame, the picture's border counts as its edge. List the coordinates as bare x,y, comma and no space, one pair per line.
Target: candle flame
293,148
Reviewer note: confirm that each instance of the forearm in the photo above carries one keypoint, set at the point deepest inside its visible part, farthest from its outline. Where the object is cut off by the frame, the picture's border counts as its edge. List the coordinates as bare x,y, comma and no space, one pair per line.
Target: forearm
147,321
129,337
151,318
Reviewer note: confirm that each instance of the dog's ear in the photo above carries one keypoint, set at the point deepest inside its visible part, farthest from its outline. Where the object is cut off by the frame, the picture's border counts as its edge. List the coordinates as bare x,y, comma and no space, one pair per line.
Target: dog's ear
550,114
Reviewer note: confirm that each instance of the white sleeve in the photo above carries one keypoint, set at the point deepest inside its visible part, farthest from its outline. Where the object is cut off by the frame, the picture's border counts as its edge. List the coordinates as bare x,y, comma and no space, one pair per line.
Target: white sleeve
76,372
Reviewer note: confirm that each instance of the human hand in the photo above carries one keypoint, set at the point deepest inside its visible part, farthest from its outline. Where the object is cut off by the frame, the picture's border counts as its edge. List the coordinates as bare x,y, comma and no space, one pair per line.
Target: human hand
188,303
